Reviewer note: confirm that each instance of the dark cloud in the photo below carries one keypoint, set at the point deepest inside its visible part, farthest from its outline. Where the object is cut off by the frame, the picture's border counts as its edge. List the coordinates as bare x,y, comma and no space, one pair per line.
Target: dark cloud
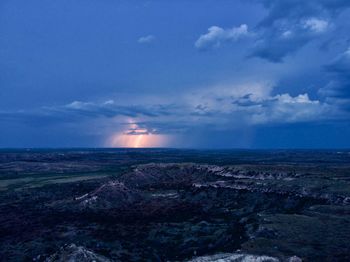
105,109
297,9
273,47
77,111
291,24
337,90
339,85
341,65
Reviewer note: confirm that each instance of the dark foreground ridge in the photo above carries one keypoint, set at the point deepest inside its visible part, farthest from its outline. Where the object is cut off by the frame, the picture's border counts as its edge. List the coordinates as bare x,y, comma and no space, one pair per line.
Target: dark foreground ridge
267,211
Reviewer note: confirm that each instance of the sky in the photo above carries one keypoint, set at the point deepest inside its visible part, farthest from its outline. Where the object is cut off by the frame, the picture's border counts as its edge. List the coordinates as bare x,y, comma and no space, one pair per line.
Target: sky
184,74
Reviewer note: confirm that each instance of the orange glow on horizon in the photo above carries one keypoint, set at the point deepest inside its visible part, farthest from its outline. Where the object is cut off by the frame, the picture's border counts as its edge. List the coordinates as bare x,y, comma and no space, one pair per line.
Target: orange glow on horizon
138,141
142,140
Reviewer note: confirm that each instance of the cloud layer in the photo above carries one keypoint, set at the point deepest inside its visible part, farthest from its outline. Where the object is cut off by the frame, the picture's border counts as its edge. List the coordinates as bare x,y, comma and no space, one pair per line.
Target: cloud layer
218,108
212,76
288,26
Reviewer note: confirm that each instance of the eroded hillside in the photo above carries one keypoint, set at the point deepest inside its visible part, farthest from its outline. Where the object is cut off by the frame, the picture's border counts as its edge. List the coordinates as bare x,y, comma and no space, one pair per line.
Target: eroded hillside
183,211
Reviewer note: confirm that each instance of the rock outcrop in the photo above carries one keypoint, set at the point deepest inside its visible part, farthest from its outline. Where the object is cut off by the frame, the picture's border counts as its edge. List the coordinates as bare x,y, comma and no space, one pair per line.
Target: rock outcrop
73,253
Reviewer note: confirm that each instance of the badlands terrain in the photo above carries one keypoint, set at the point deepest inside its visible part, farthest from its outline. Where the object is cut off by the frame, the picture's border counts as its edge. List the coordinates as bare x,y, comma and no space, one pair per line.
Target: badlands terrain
174,205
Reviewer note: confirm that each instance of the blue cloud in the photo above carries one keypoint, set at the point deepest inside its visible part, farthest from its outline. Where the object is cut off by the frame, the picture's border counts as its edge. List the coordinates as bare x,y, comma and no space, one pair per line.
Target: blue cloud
291,24
337,89
93,53
216,36
146,39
